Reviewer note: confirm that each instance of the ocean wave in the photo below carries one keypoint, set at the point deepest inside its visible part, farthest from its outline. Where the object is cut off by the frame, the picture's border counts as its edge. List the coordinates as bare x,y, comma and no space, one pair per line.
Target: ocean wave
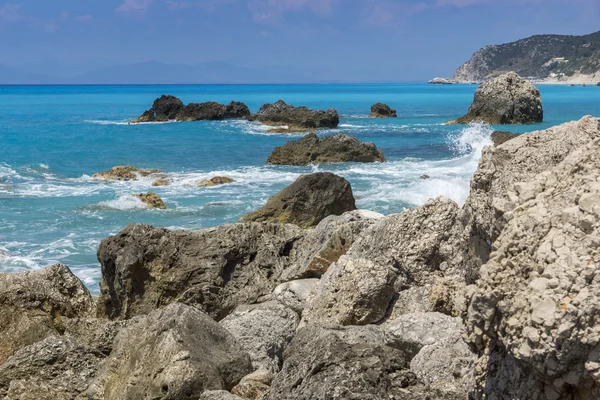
125,122
126,202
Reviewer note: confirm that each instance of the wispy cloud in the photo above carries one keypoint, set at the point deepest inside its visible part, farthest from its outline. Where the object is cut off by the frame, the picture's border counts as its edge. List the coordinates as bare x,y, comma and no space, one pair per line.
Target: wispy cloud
134,5
272,11
10,12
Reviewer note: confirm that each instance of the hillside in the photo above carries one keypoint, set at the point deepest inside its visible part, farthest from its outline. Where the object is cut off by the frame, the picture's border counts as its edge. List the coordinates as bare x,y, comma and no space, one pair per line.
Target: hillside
540,56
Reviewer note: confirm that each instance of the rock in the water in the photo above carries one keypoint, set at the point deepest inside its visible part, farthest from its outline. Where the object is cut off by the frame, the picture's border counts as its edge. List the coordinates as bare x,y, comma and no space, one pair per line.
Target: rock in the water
307,201
534,313
237,109
381,110
499,137
33,305
215,181
54,368
329,149
209,111
294,294
217,269
506,99
424,177
174,353
152,200
264,331
160,182
165,108
441,81
280,113
125,173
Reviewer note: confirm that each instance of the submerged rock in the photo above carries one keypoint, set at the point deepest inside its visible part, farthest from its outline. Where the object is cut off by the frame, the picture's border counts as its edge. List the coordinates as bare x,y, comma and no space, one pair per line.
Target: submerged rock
215,181
499,137
506,99
152,200
161,182
280,113
381,110
125,173
307,201
33,306
329,149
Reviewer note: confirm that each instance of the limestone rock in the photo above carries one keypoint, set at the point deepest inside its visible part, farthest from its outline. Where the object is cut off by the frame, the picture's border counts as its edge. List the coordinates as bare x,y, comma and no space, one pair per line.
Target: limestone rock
380,110
264,331
499,137
160,182
329,149
152,200
219,395
280,113
165,108
95,333
294,294
33,305
125,173
506,99
307,201
215,181
441,81
174,353
254,386
216,269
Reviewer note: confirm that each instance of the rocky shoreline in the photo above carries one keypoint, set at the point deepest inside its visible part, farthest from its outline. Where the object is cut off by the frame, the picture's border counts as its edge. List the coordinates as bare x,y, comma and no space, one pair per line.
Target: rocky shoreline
309,298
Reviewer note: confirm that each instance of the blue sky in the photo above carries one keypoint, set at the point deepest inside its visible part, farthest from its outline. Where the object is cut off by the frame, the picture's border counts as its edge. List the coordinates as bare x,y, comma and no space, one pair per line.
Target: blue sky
362,40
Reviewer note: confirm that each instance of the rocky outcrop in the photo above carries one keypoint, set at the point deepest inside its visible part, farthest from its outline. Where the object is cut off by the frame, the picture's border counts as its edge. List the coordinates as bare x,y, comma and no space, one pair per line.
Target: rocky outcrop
174,353
215,181
280,113
330,149
499,137
215,270
170,108
125,173
152,200
507,99
533,314
34,305
381,110
441,81
307,201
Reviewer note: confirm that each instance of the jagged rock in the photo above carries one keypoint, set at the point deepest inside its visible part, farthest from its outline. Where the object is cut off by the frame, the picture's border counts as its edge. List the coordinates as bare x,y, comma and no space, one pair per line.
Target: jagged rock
152,200
254,386
95,333
506,99
329,149
161,182
500,182
216,269
330,240
219,395
236,109
499,137
280,113
125,173
307,201
294,294
214,181
423,246
264,330
165,108
33,305
380,110
441,81
535,308
208,111
174,353
54,368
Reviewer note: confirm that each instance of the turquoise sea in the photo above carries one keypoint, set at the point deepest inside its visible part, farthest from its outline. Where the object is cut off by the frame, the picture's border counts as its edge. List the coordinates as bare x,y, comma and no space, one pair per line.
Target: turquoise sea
53,138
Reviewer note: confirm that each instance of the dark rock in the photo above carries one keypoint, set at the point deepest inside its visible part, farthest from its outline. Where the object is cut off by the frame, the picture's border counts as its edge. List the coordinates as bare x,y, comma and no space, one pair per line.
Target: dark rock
307,201
380,110
598,84
424,177
209,111
330,149
507,99
165,108
237,109
280,113
34,304
215,270
170,108
152,200
499,137
174,353
125,173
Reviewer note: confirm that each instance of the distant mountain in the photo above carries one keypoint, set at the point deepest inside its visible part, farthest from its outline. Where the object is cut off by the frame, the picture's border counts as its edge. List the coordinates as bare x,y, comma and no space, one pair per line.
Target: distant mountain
540,56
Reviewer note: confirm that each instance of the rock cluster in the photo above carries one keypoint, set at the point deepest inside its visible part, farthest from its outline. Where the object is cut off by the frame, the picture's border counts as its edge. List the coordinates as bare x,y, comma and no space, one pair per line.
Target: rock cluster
125,173
330,149
280,113
380,110
506,99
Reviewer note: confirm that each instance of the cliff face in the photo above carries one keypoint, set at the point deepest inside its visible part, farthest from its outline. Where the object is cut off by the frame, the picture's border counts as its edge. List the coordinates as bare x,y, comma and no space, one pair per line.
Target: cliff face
538,56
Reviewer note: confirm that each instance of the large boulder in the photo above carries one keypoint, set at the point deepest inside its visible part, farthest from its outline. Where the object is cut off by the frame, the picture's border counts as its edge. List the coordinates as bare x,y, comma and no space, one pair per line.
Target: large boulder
174,353
533,315
215,181
152,200
506,99
125,173
381,110
307,201
170,108
329,149
216,269
295,294
208,111
280,113
165,108
264,331
34,305
237,109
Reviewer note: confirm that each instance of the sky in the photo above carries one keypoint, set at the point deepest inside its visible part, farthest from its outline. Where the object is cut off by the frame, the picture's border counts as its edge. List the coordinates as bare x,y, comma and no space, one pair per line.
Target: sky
322,40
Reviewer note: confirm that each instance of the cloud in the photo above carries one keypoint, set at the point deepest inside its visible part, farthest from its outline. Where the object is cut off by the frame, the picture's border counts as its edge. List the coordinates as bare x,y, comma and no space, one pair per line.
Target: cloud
272,11
386,13
134,5
10,12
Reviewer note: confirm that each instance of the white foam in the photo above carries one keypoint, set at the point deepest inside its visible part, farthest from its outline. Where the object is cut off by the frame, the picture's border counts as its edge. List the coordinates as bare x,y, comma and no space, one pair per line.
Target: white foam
124,203
126,122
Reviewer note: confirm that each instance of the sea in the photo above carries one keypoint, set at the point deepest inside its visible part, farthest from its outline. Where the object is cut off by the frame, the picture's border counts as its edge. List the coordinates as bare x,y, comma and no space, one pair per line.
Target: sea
54,138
